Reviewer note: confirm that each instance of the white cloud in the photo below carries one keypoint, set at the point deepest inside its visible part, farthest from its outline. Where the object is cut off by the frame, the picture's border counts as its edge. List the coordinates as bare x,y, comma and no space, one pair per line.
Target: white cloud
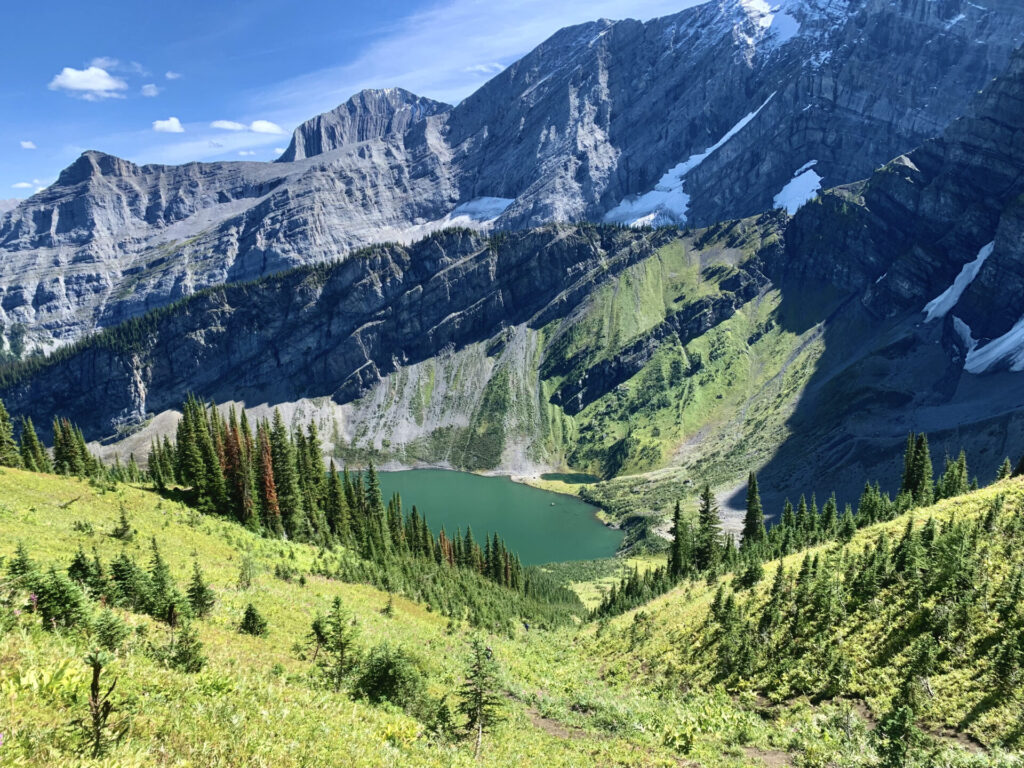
215,144
149,89
28,145
265,126
172,75
91,84
485,69
21,185
170,125
227,125
279,150
105,62
247,152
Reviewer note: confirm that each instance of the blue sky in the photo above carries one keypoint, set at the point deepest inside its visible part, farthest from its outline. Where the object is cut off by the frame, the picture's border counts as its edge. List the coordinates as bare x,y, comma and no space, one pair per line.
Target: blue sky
183,80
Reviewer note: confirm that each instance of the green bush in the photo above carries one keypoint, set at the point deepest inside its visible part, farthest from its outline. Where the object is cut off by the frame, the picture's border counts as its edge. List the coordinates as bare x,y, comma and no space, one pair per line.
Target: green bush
391,674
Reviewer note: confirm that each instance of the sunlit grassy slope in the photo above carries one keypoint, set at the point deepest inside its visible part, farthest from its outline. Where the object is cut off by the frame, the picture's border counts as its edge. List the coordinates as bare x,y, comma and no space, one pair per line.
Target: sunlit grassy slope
580,696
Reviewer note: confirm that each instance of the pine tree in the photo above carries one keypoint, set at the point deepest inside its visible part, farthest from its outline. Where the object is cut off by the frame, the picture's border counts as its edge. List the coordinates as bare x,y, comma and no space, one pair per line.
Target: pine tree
270,511
679,552
340,636
200,596
288,494
10,455
753,521
252,622
33,453
479,700
709,534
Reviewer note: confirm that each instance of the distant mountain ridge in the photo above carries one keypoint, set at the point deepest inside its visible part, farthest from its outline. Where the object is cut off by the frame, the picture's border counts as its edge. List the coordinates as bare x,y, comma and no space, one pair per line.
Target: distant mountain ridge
625,121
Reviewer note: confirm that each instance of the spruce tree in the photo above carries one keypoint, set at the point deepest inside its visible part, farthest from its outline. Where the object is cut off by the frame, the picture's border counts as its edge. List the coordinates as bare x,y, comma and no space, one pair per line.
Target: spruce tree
679,551
33,453
479,699
340,636
753,521
200,596
709,533
10,455
252,622
285,478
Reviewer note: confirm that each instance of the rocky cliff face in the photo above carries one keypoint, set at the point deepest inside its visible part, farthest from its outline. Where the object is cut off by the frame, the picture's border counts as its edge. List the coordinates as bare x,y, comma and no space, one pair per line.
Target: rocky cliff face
726,109
371,114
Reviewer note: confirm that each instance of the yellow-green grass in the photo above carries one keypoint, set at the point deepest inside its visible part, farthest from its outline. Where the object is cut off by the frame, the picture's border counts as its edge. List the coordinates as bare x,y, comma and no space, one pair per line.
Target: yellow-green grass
254,703
679,623
573,697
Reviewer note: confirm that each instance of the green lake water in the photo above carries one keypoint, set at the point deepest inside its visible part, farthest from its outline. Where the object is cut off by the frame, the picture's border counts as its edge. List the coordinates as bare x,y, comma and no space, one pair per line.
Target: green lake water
541,527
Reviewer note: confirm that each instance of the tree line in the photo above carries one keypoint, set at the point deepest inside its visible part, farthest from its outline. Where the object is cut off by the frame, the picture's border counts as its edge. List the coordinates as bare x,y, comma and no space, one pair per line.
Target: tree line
699,549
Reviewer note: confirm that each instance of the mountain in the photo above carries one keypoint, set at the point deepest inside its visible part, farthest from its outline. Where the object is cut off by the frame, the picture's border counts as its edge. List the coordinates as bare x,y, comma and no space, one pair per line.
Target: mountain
807,345
9,205
721,111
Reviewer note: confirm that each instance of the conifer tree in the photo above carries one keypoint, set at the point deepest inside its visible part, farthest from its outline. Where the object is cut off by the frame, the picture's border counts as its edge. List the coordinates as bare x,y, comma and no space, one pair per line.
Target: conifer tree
340,636
679,551
753,522
335,508
10,455
479,701
709,545
270,511
288,494
33,453
200,596
252,622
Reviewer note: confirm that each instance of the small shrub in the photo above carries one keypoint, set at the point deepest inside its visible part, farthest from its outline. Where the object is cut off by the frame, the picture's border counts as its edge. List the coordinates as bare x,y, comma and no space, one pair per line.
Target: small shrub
185,653
99,731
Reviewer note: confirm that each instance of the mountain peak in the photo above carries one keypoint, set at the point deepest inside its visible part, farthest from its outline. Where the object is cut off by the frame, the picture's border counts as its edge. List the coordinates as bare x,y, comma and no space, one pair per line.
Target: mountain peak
93,163
373,113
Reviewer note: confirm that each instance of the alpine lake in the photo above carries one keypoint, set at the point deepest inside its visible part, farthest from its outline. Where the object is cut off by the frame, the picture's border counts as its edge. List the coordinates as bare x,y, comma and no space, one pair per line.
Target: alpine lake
539,526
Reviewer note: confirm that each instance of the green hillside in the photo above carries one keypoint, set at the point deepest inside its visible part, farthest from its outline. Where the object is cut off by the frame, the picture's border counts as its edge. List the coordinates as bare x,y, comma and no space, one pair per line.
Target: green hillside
645,688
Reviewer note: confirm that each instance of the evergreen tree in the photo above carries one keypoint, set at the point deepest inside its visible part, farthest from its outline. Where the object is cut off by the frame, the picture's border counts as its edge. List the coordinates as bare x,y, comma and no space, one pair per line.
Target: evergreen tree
339,655
200,596
709,534
285,478
479,699
10,455
252,622
33,453
753,521
679,551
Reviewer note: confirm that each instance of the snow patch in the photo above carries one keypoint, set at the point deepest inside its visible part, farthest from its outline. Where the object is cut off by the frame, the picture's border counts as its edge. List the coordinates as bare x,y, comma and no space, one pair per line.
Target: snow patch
801,189
941,304
480,213
773,24
963,330
955,20
667,203
1008,348
481,209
